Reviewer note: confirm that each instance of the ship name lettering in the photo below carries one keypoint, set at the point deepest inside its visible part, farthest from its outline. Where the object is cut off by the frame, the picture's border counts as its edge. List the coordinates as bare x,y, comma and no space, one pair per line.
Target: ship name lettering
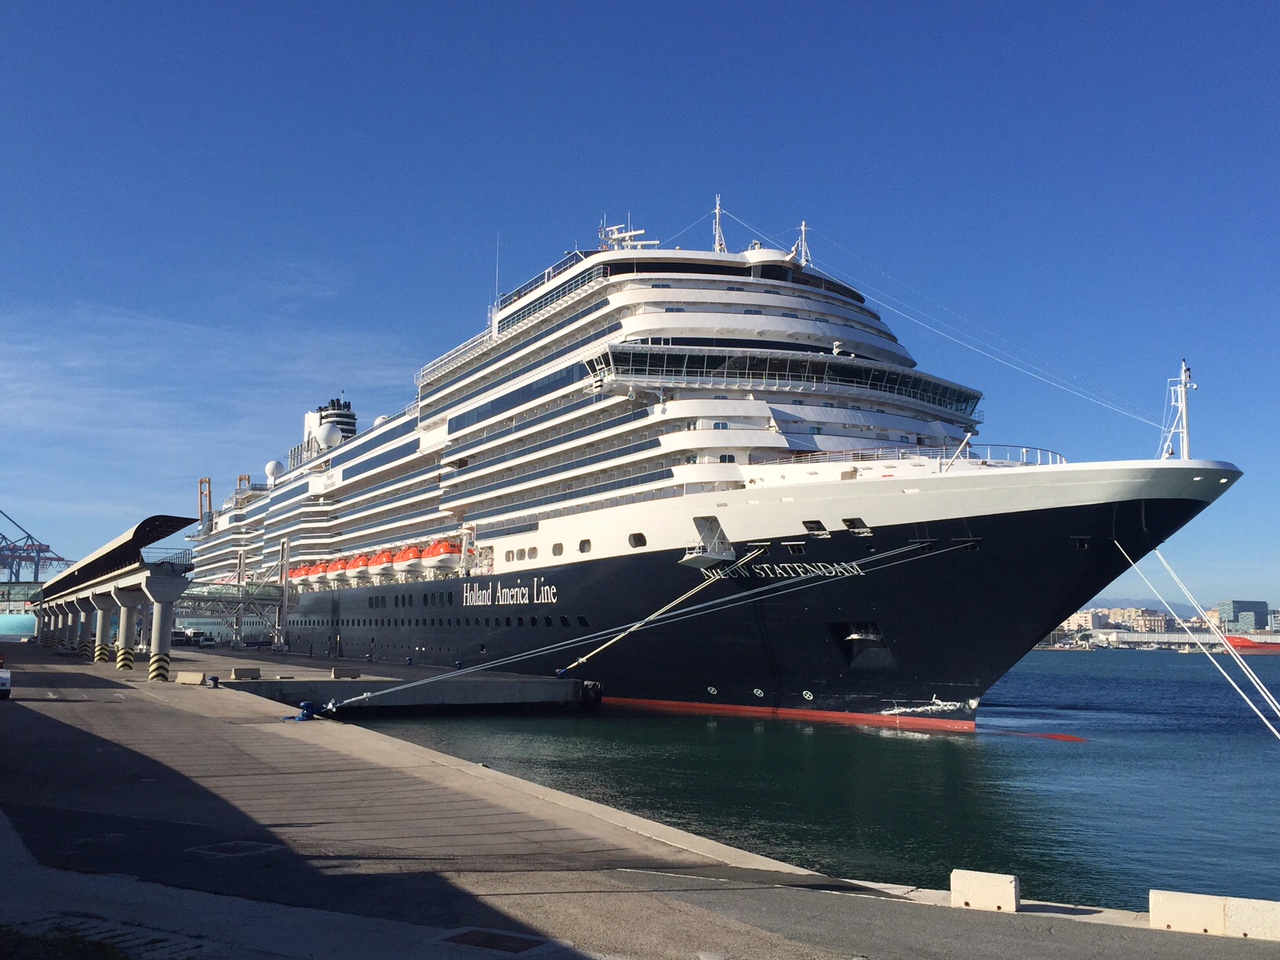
510,596
543,592
776,571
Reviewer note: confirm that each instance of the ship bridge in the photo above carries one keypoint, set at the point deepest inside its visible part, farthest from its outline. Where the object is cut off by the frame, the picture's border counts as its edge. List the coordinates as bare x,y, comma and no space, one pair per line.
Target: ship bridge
124,578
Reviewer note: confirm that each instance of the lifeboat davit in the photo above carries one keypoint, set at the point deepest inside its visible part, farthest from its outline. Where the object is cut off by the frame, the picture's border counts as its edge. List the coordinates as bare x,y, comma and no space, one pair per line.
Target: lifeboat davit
381,563
443,554
336,570
408,560
358,569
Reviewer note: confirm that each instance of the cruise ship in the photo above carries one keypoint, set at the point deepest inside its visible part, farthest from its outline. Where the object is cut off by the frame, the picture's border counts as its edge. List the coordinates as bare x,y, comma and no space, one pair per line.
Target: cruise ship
709,481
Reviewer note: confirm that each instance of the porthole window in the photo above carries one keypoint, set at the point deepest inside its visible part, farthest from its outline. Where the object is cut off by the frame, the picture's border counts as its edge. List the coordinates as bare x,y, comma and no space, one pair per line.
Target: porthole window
557,549
520,554
637,540
582,622
511,555
547,621
584,546
451,598
533,553
564,621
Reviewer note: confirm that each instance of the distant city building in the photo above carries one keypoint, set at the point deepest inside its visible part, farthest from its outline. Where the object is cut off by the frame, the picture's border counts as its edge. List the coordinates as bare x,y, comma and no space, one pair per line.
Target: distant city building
1128,615
1275,619
1153,623
1086,620
1211,615
1244,614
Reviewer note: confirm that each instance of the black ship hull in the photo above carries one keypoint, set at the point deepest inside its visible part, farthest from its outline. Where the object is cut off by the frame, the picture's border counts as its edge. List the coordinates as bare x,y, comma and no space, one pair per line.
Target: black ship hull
907,627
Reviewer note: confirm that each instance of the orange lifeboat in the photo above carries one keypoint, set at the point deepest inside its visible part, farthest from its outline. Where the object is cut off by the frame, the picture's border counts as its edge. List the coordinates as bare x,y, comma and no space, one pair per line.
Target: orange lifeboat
315,573
443,554
381,563
297,573
336,570
408,560
358,569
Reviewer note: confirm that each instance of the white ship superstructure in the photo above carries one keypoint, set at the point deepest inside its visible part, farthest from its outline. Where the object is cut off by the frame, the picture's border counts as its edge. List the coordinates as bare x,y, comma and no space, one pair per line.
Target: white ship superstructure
620,376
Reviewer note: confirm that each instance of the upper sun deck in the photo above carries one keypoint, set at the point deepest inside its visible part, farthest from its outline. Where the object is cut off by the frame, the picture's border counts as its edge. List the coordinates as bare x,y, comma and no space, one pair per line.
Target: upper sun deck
623,254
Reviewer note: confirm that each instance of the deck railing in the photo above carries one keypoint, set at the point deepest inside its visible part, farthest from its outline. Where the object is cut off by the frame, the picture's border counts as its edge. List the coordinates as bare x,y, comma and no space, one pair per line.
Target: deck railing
1001,454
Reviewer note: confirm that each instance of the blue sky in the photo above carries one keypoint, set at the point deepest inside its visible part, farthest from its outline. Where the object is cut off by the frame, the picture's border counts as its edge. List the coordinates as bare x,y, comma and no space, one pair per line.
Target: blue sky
216,216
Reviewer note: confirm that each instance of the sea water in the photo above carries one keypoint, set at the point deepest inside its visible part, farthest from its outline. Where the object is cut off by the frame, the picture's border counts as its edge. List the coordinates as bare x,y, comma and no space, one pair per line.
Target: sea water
1172,783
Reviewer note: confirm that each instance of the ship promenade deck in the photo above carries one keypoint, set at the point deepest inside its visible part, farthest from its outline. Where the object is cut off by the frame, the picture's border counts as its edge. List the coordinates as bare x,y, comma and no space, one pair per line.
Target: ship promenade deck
185,821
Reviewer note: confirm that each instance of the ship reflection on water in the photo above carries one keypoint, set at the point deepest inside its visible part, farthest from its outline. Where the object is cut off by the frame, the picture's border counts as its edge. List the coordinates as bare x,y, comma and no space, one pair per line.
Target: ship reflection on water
1137,805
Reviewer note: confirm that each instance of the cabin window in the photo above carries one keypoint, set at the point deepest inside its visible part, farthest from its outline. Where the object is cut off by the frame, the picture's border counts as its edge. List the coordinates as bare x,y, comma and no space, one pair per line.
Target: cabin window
584,546
728,458
533,553
564,621
557,549
795,549
720,425
520,554
637,540
582,622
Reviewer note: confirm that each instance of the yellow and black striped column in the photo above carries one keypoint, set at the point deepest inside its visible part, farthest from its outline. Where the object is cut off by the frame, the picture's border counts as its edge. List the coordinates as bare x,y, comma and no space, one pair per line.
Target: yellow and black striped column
159,667
124,655
101,653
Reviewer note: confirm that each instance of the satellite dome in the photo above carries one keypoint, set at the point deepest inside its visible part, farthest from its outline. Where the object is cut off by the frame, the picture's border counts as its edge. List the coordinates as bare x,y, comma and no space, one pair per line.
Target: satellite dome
381,420
329,435
274,469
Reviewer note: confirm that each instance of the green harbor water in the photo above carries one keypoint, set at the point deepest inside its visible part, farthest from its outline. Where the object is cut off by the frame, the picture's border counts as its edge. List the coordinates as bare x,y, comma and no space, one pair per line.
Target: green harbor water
1173,786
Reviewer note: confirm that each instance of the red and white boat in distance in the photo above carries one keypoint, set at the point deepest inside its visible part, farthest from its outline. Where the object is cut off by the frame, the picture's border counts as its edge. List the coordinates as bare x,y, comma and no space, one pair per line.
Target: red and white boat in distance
1263,644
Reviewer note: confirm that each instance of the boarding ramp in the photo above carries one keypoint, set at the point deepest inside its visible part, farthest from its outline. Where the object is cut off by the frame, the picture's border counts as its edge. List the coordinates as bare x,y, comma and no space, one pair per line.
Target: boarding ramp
126,578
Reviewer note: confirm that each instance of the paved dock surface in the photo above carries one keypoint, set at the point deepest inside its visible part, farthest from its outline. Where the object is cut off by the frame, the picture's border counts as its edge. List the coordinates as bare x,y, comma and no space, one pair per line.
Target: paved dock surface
183,821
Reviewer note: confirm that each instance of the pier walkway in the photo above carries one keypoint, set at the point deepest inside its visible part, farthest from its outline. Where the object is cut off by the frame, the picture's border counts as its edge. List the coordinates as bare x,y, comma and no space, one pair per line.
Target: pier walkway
184,821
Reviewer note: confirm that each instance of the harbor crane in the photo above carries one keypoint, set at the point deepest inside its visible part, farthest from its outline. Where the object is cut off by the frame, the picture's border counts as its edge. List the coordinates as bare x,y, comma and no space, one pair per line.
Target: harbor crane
16,554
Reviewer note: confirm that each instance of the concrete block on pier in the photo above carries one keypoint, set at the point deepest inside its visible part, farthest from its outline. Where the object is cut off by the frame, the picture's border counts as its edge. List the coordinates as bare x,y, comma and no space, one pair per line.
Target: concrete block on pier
246,673
191,677
976,890
1188,912
1218,916
346,673
1255,919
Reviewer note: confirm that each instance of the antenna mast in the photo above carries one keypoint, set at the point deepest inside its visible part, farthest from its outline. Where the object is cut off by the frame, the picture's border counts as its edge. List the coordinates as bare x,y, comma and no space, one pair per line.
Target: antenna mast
1180,425
719,246
801,249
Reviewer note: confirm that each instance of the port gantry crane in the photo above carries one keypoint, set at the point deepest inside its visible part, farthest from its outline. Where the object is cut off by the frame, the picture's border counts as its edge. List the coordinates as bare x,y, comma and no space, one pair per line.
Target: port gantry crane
16,554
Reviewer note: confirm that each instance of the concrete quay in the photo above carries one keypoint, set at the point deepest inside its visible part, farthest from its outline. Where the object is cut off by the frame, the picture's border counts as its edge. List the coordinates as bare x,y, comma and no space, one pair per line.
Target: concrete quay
185,821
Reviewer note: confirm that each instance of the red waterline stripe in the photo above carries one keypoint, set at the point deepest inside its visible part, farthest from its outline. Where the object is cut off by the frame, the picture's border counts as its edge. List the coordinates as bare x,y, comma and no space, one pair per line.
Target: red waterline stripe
791,713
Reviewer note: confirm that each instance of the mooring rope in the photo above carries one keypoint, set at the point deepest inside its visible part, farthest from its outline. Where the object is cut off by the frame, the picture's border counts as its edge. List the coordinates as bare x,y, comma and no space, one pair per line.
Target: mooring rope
1205,650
